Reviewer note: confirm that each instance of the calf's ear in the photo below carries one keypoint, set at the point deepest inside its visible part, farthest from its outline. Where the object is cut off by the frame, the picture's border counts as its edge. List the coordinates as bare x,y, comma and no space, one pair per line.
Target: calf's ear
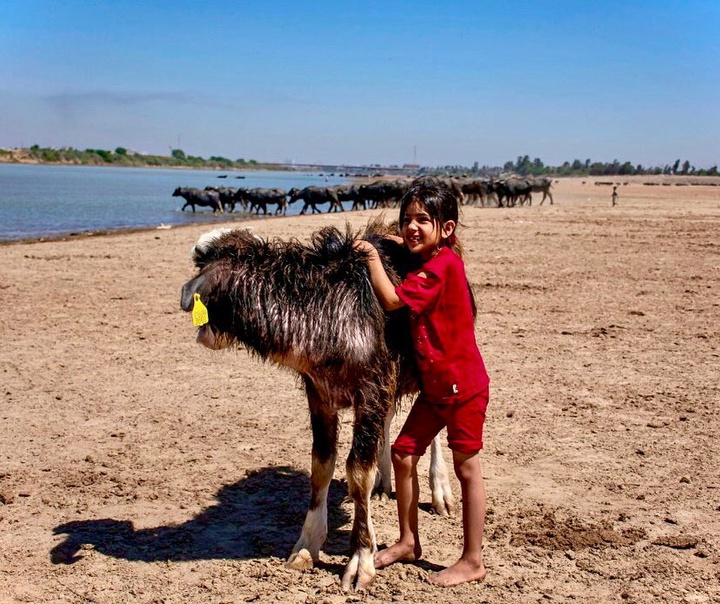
189,290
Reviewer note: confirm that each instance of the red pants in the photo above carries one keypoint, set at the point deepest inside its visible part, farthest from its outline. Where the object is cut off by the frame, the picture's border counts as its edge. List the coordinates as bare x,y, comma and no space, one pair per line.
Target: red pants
464,422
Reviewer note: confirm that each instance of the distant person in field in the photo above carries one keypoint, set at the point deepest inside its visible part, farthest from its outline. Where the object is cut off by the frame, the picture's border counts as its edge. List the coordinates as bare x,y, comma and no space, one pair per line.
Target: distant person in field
614,196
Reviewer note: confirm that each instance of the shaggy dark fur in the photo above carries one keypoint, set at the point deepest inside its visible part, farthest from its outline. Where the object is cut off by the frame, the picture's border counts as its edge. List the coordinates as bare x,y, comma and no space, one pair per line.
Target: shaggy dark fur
312,308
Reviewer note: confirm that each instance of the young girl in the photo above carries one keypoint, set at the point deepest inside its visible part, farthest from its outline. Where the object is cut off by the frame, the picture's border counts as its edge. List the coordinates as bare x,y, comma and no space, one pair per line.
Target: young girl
454,382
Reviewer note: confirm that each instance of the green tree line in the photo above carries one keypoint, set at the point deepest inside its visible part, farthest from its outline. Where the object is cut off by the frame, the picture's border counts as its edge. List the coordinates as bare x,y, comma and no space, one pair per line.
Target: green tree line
122,157
524,166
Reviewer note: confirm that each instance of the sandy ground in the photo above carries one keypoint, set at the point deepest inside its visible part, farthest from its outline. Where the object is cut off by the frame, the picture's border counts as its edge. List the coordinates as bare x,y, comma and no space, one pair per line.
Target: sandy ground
137,466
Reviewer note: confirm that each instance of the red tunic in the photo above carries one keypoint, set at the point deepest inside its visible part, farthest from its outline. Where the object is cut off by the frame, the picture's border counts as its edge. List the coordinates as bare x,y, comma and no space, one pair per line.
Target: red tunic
443,330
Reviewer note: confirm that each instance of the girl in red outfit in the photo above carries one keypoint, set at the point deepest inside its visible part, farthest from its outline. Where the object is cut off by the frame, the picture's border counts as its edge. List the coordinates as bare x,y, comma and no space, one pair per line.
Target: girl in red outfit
454,382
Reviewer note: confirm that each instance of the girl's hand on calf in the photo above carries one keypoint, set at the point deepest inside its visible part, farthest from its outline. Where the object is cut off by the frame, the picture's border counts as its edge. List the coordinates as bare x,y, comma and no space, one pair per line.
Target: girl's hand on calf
361,245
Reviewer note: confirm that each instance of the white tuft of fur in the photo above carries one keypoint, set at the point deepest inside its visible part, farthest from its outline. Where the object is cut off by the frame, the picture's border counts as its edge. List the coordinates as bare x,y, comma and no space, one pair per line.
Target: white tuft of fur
205,241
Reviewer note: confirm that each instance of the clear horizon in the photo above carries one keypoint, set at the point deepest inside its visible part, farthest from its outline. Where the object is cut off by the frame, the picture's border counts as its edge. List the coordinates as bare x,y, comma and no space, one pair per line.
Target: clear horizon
360,84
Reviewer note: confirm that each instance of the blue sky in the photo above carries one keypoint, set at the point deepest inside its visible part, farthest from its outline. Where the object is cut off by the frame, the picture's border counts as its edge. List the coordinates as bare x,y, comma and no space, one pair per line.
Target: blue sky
439,83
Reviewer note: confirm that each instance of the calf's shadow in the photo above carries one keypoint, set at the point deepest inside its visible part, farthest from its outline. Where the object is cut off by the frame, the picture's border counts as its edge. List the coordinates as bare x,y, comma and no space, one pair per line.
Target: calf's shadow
257,517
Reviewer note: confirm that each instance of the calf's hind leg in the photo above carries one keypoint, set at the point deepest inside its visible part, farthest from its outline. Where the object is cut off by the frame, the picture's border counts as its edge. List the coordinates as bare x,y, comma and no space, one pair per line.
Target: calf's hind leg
383,476
443,501
324,453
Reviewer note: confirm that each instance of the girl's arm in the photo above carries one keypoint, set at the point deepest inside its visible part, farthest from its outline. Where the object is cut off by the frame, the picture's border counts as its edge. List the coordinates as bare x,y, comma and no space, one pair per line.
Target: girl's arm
384,288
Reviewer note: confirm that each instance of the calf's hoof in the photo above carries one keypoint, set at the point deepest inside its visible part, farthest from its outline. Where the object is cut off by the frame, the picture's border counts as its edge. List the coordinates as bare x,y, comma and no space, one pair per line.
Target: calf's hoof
381,496
443,505
301,560
359,573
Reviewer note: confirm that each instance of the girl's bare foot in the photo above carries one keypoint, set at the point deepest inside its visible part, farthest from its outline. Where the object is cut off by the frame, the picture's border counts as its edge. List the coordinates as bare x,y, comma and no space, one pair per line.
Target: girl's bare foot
460,572
399,552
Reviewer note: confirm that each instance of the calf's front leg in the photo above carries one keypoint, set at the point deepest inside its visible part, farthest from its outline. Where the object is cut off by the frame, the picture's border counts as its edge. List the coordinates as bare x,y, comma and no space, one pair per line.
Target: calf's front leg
324,453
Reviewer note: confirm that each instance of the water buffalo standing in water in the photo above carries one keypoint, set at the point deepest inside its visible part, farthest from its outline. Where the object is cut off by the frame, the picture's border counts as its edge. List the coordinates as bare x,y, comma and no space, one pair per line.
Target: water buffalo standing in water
314,196
259,199
227,196
197,197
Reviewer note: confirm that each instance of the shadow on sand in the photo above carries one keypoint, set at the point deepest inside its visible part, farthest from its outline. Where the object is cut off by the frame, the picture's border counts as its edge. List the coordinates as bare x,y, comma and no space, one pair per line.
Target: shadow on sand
257,517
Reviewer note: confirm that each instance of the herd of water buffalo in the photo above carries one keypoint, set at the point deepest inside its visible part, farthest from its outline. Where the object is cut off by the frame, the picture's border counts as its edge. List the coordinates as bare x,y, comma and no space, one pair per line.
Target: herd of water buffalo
505,192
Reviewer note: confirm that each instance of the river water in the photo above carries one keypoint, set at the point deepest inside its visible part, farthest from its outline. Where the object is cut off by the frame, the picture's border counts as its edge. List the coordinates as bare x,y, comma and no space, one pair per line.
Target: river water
40,201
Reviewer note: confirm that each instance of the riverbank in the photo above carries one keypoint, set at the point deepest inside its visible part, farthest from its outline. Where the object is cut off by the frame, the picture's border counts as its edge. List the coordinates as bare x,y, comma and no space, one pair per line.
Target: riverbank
228,220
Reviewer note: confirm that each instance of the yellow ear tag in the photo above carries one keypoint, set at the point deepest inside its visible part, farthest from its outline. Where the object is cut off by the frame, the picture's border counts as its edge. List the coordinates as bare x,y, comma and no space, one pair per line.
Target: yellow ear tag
199,311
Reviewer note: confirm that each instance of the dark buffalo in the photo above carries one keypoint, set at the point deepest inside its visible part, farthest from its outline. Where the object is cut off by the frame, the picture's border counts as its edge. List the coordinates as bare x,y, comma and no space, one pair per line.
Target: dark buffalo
394,191
197,197
349,193
227,196
315,196
513,191
455,188
372,194
476,191
382,193
259,199
542,184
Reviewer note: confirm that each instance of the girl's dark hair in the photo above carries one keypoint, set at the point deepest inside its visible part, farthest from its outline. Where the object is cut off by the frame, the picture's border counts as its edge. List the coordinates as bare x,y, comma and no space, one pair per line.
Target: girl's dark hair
438,200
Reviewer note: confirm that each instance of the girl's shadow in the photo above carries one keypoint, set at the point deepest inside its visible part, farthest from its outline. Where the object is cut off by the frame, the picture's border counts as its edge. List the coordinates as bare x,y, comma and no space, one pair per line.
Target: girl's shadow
259,516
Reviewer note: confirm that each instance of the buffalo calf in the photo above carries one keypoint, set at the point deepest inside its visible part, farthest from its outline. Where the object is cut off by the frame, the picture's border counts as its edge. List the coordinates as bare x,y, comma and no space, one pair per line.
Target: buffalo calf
312,308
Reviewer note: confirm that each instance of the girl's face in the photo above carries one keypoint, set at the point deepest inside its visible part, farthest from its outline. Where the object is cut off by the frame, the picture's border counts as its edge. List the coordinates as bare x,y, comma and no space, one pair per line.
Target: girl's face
423,235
